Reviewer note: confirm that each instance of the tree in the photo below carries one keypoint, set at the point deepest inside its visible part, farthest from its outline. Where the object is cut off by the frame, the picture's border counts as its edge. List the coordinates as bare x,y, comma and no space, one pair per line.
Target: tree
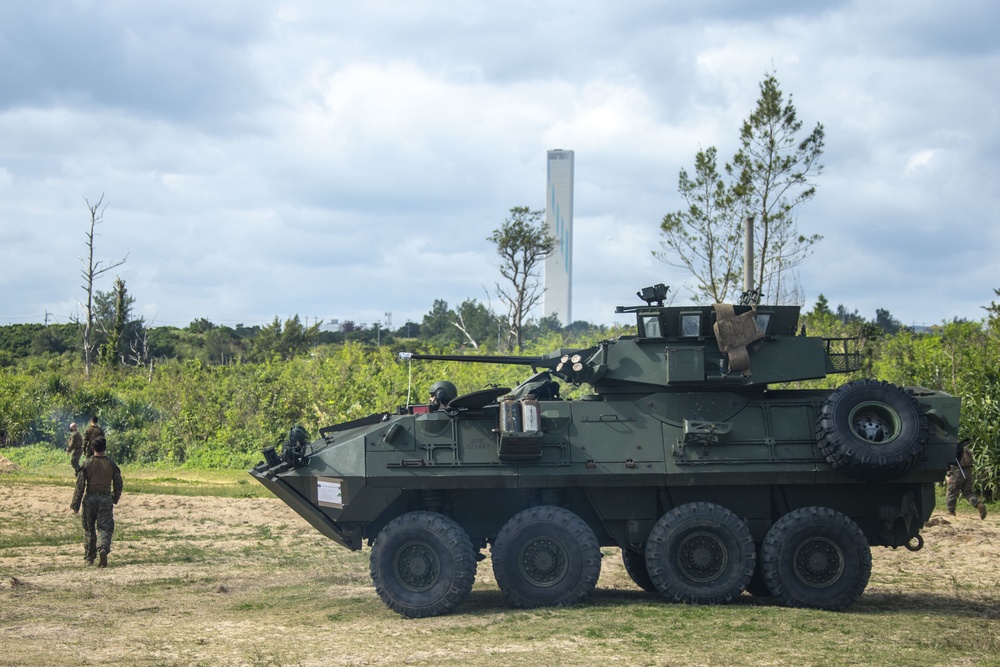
775,171
200,326
163,342
705,237
119,336
822,306
409,330
284,342
889,324
847,316
436,322
92,270
476,322
222,345
115,334
769,176
993,313
535,329
522,243
297,338
54,339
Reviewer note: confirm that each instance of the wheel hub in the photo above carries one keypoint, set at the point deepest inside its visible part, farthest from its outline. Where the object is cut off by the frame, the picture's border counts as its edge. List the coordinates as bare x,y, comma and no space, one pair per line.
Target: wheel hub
819,562
702,556
417,566
543,561
870,427
875,423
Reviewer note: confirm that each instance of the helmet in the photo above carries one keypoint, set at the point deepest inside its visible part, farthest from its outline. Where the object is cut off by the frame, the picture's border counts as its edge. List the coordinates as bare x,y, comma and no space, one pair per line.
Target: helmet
444,391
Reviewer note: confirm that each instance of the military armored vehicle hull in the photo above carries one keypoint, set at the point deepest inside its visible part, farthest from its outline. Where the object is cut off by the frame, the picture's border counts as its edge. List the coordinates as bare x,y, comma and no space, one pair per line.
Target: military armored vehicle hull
710,481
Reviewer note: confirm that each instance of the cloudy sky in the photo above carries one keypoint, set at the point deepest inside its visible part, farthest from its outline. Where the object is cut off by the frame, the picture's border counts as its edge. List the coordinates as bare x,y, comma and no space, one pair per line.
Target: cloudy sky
344,160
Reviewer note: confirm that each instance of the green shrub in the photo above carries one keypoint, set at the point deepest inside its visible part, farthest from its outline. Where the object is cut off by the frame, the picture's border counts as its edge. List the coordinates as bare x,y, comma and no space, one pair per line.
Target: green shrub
37,456
89,400
129,414
196,414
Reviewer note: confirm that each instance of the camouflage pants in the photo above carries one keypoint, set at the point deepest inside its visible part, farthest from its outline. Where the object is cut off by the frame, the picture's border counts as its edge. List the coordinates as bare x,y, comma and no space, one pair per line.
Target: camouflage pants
75,460
960,486
98,523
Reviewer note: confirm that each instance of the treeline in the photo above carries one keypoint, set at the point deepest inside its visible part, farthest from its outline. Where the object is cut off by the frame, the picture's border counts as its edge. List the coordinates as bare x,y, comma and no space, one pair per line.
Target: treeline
200,407
469,326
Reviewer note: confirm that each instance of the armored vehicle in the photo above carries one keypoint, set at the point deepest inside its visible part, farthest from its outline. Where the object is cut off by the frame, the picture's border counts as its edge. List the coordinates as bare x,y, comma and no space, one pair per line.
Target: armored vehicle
689,453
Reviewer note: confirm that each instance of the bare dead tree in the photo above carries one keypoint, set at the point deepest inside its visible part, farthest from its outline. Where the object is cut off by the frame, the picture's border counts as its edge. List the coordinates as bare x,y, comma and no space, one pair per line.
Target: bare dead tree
92,270
461,326
139,352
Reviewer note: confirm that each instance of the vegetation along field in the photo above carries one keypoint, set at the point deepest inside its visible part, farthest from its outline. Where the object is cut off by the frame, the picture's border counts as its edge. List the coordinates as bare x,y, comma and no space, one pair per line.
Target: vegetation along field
202,404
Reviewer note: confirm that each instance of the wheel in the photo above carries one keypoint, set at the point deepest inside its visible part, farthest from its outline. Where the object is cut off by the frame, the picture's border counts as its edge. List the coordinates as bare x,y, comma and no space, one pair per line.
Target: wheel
816,557
635,565
423,564
700,553
871,430
546,556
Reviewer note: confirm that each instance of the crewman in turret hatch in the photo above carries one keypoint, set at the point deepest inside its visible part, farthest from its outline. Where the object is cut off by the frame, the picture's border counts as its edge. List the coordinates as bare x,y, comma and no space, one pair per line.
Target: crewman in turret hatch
442,393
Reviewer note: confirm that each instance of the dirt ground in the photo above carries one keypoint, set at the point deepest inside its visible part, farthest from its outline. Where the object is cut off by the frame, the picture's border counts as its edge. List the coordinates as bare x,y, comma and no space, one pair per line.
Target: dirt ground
207,580
954,546
179,568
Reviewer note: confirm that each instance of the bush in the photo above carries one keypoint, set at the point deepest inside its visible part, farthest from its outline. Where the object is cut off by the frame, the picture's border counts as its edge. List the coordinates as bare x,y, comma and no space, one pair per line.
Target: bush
193,414
90,399
38,456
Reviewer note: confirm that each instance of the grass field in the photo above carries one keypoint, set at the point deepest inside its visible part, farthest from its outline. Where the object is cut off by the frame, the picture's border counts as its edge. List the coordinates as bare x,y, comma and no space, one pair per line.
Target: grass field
46,465
207,571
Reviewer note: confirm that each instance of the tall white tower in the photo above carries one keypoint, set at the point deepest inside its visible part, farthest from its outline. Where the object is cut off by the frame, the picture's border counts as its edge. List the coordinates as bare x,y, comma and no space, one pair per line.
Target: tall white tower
559,221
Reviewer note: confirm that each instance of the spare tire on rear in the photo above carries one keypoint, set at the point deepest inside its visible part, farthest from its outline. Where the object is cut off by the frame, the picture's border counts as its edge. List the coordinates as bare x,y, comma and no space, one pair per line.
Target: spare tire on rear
871,430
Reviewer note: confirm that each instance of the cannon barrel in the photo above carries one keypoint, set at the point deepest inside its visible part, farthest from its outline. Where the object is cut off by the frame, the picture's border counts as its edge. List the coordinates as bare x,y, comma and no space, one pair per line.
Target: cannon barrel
550,360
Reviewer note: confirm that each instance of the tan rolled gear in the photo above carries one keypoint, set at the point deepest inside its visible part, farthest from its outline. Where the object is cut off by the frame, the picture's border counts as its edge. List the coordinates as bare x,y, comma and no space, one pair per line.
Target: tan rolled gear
734,332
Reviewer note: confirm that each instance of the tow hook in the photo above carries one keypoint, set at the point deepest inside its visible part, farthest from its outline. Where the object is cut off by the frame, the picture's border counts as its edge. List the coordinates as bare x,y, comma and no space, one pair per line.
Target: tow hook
915,543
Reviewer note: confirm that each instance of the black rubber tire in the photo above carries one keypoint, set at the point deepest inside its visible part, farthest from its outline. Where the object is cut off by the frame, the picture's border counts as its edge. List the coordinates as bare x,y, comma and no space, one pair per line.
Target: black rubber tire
546,556
816,557
871,430
423,564
700,553
635,566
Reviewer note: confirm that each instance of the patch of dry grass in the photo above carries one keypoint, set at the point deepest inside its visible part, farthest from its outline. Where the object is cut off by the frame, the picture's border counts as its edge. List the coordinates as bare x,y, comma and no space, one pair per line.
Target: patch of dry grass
244,581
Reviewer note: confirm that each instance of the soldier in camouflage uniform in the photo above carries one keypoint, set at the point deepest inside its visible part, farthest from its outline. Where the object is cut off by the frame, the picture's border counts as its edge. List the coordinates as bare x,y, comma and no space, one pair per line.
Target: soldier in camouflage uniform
92,433
99,486
74,446
960,481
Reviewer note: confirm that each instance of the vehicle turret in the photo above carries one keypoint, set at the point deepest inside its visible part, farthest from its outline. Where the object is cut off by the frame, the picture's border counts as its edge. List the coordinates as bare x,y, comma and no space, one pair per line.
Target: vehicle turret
720,346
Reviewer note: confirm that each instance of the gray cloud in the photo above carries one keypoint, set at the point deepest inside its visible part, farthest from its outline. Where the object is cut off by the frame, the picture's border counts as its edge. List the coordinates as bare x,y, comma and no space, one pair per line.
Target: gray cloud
348,161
